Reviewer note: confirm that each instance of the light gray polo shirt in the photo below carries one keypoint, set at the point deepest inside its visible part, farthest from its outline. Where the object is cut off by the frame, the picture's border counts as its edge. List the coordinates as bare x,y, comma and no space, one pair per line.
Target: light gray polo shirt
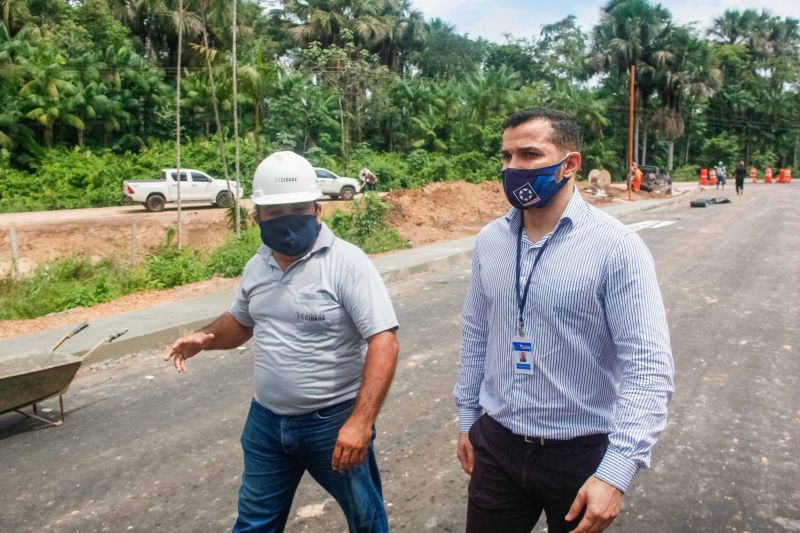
310,323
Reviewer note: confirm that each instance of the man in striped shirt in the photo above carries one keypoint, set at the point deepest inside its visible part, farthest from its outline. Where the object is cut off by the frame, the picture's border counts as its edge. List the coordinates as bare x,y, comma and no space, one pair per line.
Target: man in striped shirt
565,370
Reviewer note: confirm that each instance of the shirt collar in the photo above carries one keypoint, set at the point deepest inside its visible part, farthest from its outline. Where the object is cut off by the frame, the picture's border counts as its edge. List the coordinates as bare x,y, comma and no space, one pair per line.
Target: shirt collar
573,213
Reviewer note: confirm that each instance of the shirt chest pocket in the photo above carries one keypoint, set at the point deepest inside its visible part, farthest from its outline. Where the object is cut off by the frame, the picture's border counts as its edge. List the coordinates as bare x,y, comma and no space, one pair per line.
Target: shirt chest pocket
572,298
317,312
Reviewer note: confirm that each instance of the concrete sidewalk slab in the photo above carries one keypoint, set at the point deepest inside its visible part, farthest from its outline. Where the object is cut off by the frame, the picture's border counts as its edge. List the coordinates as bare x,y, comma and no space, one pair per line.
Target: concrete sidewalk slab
162,324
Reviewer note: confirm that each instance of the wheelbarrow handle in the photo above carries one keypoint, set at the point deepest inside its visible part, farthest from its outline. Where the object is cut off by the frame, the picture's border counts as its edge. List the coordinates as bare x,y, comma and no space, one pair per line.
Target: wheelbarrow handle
110,338
69,335
79,328
117,335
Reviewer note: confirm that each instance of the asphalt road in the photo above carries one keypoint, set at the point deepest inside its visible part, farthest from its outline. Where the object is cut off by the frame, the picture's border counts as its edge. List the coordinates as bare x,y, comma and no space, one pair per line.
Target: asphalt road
145,449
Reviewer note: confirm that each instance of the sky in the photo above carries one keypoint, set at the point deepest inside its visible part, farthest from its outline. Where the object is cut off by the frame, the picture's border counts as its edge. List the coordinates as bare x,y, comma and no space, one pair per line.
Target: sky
491,19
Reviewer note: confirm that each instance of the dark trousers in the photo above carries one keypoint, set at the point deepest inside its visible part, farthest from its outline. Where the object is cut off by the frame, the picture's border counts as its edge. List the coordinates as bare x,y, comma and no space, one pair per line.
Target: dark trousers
739,185
513,481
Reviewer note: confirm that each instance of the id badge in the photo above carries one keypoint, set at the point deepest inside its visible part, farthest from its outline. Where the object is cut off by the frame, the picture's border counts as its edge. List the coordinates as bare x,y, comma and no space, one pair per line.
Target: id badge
522,355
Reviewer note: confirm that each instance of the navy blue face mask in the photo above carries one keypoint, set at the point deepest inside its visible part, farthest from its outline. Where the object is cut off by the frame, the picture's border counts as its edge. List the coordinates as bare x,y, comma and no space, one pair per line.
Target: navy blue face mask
290,235
528,188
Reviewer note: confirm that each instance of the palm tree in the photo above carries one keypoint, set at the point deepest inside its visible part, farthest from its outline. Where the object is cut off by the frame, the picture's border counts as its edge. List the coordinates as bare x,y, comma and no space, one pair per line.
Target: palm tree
257,79
15,14
322,21
47,95
632,32
683,71
490,93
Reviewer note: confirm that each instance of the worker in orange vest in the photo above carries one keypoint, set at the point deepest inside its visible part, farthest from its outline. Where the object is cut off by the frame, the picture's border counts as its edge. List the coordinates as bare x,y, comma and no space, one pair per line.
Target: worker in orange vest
637,177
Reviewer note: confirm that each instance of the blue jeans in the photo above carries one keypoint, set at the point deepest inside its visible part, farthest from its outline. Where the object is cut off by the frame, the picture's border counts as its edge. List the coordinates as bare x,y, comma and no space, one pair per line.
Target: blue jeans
279,449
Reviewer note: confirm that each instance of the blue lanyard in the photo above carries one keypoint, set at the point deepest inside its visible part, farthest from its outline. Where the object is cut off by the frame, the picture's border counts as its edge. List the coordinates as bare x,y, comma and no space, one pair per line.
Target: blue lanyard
521,299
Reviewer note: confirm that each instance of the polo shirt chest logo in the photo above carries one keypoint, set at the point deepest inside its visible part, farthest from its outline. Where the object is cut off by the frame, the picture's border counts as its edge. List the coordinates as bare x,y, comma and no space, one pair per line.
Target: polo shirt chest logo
310,317
316,311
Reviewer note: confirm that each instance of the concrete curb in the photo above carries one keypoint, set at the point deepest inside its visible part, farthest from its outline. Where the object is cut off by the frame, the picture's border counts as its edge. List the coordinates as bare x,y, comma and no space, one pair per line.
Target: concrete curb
162,324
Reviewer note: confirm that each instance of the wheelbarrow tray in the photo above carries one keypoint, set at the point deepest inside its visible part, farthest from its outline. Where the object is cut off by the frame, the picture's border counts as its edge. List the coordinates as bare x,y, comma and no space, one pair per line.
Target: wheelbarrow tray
31,377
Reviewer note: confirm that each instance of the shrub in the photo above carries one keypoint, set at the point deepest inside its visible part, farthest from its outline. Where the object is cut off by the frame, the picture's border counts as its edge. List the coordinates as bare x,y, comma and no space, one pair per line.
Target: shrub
230,259
686,173
169,267
62,285
365,227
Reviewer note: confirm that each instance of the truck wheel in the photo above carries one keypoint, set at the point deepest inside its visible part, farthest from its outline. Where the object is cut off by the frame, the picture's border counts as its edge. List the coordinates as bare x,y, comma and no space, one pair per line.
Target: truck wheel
155,203
224,199
347,193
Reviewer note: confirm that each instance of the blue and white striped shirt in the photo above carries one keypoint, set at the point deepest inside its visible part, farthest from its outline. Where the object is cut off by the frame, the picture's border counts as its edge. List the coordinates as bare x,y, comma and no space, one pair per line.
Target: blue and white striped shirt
602,357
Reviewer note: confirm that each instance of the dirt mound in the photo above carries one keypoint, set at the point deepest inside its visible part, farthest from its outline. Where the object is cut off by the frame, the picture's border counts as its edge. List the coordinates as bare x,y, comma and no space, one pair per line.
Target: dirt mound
446,210
454,209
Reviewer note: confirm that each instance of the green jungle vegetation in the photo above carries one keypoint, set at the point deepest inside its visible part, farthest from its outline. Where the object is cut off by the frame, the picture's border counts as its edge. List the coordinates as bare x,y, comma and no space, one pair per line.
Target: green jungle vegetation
88,91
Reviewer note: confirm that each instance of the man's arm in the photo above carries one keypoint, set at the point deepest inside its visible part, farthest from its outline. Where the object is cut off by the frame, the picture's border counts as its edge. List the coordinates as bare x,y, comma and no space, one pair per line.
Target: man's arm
638,325
222,334
471,362
356,434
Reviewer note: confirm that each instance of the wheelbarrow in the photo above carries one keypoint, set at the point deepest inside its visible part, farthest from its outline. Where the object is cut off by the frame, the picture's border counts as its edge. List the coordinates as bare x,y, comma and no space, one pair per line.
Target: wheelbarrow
31,377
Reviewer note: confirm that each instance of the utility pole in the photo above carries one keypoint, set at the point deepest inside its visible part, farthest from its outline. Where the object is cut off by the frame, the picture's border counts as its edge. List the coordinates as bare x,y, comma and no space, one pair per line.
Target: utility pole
630,130
178,123
236,127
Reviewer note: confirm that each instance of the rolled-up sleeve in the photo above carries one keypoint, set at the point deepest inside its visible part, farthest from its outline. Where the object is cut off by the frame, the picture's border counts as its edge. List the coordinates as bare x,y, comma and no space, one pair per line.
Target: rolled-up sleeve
638,325
365,298
472,357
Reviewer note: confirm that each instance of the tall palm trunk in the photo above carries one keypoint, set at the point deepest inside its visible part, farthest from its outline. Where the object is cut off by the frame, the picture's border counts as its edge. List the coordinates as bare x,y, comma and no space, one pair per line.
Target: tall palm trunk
214,104
670,154
644,142
178,122
236,125
258,126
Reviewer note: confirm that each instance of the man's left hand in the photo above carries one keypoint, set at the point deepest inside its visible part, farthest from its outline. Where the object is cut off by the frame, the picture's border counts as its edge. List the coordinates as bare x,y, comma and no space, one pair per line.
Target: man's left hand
351,446
602,502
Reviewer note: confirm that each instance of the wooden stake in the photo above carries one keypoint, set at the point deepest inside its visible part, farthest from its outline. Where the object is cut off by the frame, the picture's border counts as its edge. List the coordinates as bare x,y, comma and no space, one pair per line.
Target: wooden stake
133,243
14,252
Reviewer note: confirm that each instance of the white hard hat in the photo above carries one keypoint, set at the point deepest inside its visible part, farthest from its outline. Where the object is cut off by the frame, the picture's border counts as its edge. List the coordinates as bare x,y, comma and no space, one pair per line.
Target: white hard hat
285,178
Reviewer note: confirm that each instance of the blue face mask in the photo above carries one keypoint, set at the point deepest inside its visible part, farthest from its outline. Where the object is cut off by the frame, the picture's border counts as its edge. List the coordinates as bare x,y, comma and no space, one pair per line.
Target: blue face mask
528,188
290,235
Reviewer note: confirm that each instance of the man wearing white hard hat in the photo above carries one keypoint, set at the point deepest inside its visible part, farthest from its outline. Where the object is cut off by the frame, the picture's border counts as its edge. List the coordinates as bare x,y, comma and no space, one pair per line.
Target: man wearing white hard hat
325,354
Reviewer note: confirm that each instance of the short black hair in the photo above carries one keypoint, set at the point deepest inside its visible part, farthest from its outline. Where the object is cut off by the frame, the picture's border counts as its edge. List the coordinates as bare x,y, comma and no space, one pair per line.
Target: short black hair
566,134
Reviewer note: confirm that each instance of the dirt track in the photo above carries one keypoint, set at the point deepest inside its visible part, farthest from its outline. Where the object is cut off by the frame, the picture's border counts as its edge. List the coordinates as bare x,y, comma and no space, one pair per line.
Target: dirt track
102,232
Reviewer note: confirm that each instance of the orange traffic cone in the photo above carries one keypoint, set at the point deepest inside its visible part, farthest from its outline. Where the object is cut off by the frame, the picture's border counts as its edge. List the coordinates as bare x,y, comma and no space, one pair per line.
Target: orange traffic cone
754,174
768,175
703,176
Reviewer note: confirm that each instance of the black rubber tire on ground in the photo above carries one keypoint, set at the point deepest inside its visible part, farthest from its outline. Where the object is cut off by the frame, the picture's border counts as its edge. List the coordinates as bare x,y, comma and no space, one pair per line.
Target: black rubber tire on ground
155,203
347,193
224,199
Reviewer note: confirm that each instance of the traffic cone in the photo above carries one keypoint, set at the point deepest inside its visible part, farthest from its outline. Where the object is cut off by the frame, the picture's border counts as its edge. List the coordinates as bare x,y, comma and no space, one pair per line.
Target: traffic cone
768,175
754,174
703,176
712,180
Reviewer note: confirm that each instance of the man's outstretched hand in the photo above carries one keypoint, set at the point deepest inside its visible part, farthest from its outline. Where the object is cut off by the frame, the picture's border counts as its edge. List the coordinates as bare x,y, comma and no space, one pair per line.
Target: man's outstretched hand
186,347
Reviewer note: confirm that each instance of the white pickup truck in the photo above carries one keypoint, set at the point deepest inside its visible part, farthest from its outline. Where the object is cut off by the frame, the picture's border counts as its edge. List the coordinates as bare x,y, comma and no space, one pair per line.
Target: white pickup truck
336,186
196,187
